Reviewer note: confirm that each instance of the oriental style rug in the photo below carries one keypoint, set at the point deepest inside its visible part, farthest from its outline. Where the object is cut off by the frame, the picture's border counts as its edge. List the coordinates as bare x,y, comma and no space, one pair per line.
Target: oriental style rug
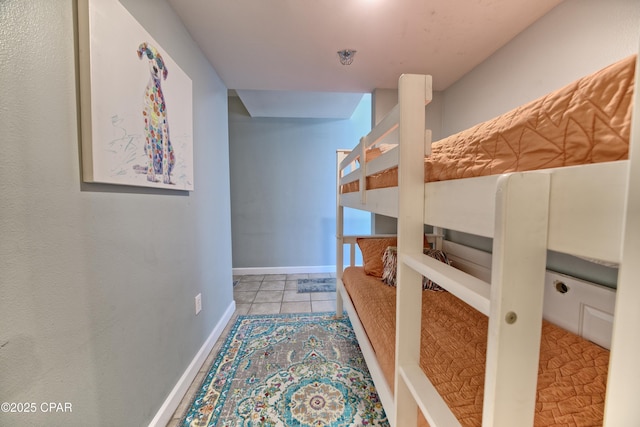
288,370
316,285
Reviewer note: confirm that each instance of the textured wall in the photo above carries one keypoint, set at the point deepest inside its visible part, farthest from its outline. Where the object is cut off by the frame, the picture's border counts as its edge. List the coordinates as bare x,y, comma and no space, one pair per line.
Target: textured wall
97,282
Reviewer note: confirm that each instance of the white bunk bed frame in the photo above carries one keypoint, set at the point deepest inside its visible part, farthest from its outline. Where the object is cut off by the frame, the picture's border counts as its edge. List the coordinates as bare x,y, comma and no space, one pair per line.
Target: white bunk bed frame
591,211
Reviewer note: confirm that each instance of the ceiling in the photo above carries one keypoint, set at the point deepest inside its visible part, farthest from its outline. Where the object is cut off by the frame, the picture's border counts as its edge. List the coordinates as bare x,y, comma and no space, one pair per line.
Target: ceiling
266,47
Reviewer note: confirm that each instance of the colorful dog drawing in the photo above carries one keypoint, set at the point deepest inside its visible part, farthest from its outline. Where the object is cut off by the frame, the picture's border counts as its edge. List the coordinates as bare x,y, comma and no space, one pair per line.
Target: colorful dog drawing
158,148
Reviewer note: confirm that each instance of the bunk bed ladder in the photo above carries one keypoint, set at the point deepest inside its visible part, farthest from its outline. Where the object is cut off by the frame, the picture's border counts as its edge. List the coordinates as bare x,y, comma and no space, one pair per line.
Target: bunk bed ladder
514,300
517,294
412,389
623,382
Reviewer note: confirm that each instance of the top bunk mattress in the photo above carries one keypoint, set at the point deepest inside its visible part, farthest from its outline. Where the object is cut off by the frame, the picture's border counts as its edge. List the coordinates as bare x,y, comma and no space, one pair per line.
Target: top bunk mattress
587,121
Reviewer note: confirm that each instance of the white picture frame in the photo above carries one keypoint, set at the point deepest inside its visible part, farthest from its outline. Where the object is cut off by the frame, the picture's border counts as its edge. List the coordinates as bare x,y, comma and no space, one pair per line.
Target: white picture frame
135,103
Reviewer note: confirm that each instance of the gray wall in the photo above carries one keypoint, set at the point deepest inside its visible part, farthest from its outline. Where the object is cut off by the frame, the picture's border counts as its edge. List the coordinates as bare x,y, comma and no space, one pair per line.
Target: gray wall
576,38
97,282
283,187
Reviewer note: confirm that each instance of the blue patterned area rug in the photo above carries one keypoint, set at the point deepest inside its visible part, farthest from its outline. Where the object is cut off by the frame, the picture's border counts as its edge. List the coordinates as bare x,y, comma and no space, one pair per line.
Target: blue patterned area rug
316,285
288,370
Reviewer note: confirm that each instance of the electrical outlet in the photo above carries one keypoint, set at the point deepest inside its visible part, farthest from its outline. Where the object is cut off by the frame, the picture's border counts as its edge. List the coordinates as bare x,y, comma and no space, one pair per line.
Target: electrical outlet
198,303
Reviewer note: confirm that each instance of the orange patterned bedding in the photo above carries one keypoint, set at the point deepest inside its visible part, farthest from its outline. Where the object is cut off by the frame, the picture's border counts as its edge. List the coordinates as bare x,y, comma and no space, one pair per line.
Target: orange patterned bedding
585,122
572,371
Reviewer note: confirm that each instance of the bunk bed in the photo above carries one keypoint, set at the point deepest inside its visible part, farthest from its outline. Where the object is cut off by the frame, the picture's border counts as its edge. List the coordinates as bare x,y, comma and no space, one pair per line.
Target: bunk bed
590,210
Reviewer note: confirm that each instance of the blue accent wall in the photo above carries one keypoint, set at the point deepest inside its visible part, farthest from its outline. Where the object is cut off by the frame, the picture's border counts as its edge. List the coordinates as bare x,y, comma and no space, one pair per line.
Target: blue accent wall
97,282
283,187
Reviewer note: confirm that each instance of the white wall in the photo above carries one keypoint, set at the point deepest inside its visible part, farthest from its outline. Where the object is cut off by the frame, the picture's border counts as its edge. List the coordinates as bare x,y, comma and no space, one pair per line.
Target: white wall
97,282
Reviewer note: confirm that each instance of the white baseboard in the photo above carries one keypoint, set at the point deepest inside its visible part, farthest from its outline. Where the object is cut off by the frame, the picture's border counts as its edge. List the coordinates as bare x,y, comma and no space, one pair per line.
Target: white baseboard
164,414
284,270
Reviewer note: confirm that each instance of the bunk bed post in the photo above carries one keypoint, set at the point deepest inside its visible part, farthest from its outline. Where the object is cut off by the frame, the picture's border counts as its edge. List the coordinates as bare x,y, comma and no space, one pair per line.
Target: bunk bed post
517,294
439,233
363,170
414,92
623,381
340,155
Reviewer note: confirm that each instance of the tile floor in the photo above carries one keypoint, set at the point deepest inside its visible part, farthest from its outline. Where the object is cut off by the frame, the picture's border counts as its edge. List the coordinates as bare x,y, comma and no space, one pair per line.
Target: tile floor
262,294
274,293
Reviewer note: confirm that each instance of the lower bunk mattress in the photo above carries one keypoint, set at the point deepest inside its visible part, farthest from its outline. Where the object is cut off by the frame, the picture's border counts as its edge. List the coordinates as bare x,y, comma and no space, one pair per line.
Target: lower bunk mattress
572,371
585,122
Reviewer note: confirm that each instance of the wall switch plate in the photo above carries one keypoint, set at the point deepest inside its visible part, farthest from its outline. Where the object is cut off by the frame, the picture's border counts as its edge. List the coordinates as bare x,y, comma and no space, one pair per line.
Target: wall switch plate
198,303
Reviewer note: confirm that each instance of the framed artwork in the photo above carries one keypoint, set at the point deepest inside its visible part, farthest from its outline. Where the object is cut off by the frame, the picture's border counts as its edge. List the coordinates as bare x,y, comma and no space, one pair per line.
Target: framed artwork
136,103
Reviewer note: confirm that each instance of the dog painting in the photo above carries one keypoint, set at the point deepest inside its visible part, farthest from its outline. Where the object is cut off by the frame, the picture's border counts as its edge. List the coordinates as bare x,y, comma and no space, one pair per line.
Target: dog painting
157,147
129,101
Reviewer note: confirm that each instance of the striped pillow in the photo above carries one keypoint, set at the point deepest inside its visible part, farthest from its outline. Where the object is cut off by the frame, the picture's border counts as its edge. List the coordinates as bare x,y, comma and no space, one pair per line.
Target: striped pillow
390,267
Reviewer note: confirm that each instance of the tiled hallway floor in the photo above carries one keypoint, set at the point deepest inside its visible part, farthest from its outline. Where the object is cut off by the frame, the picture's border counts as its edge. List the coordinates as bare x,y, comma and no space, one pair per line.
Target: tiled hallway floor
262,294
272,294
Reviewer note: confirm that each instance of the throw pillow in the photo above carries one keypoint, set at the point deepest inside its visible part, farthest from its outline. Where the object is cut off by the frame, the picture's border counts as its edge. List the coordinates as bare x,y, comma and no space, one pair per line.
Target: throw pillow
390,267
428,284
372,251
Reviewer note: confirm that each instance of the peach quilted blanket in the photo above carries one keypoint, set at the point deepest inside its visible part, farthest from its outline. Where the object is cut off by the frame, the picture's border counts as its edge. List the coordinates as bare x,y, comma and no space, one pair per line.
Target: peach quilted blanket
587,121
572,371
